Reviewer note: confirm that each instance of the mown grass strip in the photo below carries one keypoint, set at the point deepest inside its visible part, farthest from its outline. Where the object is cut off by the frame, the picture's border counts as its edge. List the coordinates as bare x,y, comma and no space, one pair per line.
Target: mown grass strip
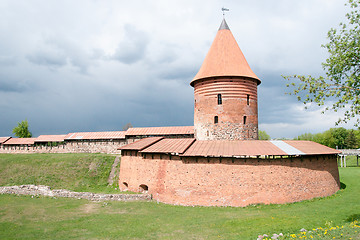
34,218
76,172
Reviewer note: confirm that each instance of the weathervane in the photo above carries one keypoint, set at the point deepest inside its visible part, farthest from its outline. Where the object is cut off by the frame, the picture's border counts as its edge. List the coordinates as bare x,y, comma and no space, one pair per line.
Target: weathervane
223,10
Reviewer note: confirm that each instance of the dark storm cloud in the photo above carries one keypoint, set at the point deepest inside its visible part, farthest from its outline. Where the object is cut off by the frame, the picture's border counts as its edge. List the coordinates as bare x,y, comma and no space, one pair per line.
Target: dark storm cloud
56,53
133,46
7,86
48,59
181,73
95,66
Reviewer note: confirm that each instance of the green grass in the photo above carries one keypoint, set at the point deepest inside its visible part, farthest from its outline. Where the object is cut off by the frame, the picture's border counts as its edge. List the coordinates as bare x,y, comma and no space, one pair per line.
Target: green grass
34,218
77,172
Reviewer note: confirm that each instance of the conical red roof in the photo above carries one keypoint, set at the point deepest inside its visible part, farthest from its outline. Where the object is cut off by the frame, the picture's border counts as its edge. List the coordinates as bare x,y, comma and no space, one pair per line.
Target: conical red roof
224,58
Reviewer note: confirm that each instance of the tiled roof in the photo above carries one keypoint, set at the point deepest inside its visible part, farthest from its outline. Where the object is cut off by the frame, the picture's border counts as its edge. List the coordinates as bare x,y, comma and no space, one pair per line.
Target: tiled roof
50,138
233,148
4,139
170,145
96,135
141,144
225,148
224,58
311,148
20,141
153,131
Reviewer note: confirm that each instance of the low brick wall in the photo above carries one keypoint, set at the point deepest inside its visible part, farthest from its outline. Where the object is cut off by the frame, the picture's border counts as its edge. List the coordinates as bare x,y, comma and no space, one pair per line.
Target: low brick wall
46,191
229,181
68,147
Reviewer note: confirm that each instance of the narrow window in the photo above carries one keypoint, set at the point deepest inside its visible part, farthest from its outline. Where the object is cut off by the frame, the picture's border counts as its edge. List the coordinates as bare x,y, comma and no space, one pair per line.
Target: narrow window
248,99
216,119
219,99
244,119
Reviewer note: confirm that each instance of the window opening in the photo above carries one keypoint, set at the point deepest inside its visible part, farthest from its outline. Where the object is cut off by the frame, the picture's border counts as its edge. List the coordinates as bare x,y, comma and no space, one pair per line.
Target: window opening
216,119
244,119
219,99
143,188
248,99
125,184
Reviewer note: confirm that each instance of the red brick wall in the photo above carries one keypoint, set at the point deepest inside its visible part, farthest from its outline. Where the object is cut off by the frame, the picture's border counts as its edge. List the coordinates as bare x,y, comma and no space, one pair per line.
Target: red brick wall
234,93
207,182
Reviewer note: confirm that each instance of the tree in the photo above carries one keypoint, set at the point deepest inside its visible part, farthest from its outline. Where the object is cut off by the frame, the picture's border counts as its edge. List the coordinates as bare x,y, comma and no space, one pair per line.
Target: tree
127,126
22,130
334,137
305,136
351,141
342,70
263,135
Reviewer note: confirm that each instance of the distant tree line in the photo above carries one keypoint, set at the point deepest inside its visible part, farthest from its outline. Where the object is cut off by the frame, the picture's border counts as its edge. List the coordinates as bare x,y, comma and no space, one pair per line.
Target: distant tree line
335,137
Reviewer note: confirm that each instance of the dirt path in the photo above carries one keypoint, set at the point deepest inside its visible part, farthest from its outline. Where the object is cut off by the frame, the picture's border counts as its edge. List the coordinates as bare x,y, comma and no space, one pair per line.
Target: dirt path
113,170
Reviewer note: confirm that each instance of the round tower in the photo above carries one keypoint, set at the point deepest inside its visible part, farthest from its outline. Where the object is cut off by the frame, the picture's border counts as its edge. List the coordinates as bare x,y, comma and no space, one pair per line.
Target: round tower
225,92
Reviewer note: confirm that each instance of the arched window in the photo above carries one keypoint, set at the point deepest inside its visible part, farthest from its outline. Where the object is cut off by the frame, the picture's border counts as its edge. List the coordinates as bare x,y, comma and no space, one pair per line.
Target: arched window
248,99
216,119
143,188
244,119
219,99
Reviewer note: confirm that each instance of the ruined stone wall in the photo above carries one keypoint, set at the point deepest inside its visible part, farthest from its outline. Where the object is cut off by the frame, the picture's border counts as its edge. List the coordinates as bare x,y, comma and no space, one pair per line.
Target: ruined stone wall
68,147
42,190
229,181
237,112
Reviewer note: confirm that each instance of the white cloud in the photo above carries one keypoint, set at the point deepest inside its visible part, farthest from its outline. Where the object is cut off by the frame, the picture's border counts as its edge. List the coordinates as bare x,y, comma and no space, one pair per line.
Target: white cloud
310,120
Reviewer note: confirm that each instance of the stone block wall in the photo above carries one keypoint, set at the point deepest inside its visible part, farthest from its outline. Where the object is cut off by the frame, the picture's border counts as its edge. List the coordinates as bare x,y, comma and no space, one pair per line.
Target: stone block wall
229,181
69,147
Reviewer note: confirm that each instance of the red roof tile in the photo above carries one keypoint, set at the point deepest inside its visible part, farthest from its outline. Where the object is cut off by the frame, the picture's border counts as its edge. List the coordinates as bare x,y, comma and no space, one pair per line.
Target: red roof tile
233,148
141,144
96,135
50,138
20,141
4,139
153,131
224,58
170,145
311,148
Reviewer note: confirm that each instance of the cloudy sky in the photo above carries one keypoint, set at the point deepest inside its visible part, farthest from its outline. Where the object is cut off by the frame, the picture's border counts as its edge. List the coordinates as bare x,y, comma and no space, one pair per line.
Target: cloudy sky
94,65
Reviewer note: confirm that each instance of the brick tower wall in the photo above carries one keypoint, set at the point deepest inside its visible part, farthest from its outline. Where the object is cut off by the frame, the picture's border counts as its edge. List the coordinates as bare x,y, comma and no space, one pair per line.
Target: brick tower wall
229,181
237,111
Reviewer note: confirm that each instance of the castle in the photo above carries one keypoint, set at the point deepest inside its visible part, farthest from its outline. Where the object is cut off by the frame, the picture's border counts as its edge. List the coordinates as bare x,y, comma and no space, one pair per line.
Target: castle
225,164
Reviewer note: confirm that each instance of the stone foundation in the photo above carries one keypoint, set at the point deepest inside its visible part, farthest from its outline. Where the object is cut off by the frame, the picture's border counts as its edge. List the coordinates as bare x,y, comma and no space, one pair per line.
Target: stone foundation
229,131
46,191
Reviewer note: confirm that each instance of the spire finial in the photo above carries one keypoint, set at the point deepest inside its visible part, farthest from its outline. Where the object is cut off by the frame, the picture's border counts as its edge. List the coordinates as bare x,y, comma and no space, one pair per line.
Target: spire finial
223,10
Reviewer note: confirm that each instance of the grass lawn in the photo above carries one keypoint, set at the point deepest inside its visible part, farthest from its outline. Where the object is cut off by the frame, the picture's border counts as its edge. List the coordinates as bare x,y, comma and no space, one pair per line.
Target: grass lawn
79,172
61,218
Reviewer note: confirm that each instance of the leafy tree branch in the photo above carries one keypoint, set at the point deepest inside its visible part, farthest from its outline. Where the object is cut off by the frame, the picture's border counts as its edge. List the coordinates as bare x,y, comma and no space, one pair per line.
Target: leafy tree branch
342,70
